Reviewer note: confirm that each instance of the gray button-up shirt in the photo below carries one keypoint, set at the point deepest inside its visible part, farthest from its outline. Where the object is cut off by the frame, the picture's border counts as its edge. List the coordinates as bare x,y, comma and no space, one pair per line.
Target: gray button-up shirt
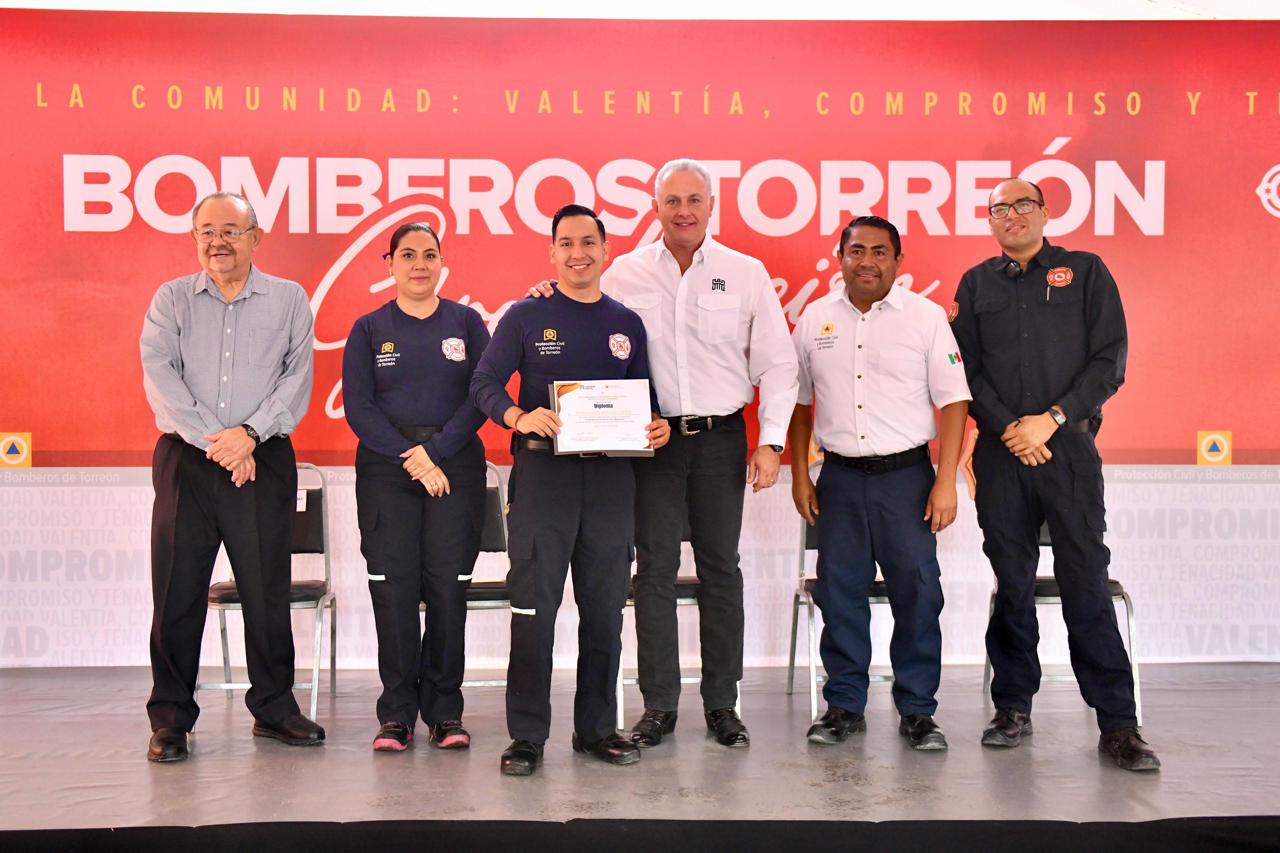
209,364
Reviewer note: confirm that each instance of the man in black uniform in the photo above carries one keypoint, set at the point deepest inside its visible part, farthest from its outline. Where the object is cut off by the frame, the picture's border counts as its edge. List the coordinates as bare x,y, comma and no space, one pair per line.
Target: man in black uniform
1042,334
565,511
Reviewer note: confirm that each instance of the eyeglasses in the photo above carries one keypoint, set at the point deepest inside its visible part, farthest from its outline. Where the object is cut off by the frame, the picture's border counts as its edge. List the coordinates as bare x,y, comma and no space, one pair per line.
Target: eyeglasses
230,235
1022,205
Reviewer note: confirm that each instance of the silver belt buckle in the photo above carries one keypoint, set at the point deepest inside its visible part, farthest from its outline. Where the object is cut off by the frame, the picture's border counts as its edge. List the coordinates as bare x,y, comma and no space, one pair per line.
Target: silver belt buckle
684,424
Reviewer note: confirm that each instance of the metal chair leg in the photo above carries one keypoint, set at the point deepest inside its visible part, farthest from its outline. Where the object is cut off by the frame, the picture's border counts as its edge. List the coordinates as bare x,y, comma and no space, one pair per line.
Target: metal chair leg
333,646
315,661
226,651
1133,657
619,712
986,658
813,661
795,627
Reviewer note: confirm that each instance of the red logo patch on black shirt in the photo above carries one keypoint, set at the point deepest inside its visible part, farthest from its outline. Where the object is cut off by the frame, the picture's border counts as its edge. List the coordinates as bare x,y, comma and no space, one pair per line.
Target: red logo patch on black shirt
1059,276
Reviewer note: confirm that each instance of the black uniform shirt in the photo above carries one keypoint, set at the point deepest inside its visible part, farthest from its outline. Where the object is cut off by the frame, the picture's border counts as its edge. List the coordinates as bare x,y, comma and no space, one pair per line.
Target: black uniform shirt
400,370
1055,334
558,338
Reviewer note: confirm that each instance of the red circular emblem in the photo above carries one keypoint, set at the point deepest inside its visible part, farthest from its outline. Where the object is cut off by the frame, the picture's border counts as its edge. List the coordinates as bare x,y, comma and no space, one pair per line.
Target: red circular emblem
620,346
454,349
1060,276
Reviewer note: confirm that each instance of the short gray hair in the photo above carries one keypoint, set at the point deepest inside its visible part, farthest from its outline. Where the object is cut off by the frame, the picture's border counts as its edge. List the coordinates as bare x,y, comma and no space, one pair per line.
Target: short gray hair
253,216
683,165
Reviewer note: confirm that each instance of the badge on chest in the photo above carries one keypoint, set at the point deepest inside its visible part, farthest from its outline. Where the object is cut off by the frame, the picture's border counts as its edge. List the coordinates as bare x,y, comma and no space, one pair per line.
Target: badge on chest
454,349
620,346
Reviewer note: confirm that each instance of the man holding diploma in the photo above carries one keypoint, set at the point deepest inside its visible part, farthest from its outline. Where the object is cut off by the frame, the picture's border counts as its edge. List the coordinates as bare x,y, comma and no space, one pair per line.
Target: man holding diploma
570,510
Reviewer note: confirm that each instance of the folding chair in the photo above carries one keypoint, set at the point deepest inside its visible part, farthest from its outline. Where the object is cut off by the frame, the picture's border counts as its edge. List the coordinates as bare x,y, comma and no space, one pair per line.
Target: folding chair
310,536
1047,592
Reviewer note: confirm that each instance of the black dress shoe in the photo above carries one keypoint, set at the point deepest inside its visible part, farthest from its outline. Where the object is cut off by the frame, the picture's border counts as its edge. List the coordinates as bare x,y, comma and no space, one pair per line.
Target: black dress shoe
922,732
613,748
652,726
727,727
1007,728
168,745
1129,751
295,730
521,758
836,725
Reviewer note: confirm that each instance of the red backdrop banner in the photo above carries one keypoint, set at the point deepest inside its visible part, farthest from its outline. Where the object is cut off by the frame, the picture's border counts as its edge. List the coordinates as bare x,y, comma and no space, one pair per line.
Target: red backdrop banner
1155,144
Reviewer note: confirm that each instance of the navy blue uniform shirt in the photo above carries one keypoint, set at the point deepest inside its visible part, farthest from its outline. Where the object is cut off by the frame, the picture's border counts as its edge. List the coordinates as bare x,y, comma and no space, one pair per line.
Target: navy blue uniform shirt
398,370
1053,334
558,338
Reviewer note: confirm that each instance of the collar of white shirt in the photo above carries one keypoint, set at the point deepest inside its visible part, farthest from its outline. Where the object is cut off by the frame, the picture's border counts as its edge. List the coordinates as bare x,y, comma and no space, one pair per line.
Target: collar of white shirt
699,254
894,298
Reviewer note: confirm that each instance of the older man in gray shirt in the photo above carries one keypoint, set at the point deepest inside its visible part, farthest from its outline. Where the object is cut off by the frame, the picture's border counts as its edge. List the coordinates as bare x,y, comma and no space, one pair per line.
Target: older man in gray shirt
227,368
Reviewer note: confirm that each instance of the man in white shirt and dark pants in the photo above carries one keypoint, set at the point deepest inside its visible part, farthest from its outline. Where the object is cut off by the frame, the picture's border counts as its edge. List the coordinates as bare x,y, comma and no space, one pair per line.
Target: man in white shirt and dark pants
716,331
878,359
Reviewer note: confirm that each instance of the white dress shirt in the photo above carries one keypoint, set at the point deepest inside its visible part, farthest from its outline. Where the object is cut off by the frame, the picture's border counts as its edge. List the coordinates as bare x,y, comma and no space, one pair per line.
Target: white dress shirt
715,332
877,376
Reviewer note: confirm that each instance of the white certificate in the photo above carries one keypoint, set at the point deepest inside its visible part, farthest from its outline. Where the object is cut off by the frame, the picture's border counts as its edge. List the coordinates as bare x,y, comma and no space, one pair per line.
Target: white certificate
606,416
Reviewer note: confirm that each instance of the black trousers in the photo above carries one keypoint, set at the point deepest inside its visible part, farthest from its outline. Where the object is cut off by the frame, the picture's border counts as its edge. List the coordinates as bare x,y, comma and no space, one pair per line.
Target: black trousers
696,480
197,508
1013,500
420,549
567,512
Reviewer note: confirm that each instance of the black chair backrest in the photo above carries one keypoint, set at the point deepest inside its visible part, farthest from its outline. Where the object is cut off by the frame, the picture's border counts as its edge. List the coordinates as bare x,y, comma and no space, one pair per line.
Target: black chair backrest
308,524
1045,541
493,536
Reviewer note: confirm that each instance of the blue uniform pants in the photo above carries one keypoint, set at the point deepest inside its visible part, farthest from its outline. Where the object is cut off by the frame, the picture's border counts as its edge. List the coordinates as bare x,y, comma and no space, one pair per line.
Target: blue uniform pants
1013,500
420,548
866,519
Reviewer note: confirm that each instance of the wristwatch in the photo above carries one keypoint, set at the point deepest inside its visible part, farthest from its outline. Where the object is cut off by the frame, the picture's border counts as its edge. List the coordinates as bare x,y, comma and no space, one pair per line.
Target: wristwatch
1058,418
776,448
252,433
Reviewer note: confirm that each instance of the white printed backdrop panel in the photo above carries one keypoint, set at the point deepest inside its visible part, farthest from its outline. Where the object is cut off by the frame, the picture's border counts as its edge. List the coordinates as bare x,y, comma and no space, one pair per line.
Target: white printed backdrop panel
1197,548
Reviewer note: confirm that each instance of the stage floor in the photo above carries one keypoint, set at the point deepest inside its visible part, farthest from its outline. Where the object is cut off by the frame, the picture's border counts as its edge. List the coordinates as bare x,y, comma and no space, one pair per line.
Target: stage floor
73,743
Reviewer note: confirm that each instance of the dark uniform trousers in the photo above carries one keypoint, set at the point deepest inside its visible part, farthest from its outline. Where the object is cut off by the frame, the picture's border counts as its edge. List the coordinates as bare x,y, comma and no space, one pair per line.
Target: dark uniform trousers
197,508
420,548
696,481
567,512
867,519
1012,501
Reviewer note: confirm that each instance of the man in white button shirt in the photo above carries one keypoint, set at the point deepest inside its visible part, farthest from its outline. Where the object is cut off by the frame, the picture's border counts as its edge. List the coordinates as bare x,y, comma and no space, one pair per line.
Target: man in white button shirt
716,331
878,358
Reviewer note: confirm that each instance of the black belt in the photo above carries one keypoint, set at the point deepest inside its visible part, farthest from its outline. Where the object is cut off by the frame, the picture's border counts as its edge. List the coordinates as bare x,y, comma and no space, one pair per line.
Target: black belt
538,444
417,433
693,424
880,464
